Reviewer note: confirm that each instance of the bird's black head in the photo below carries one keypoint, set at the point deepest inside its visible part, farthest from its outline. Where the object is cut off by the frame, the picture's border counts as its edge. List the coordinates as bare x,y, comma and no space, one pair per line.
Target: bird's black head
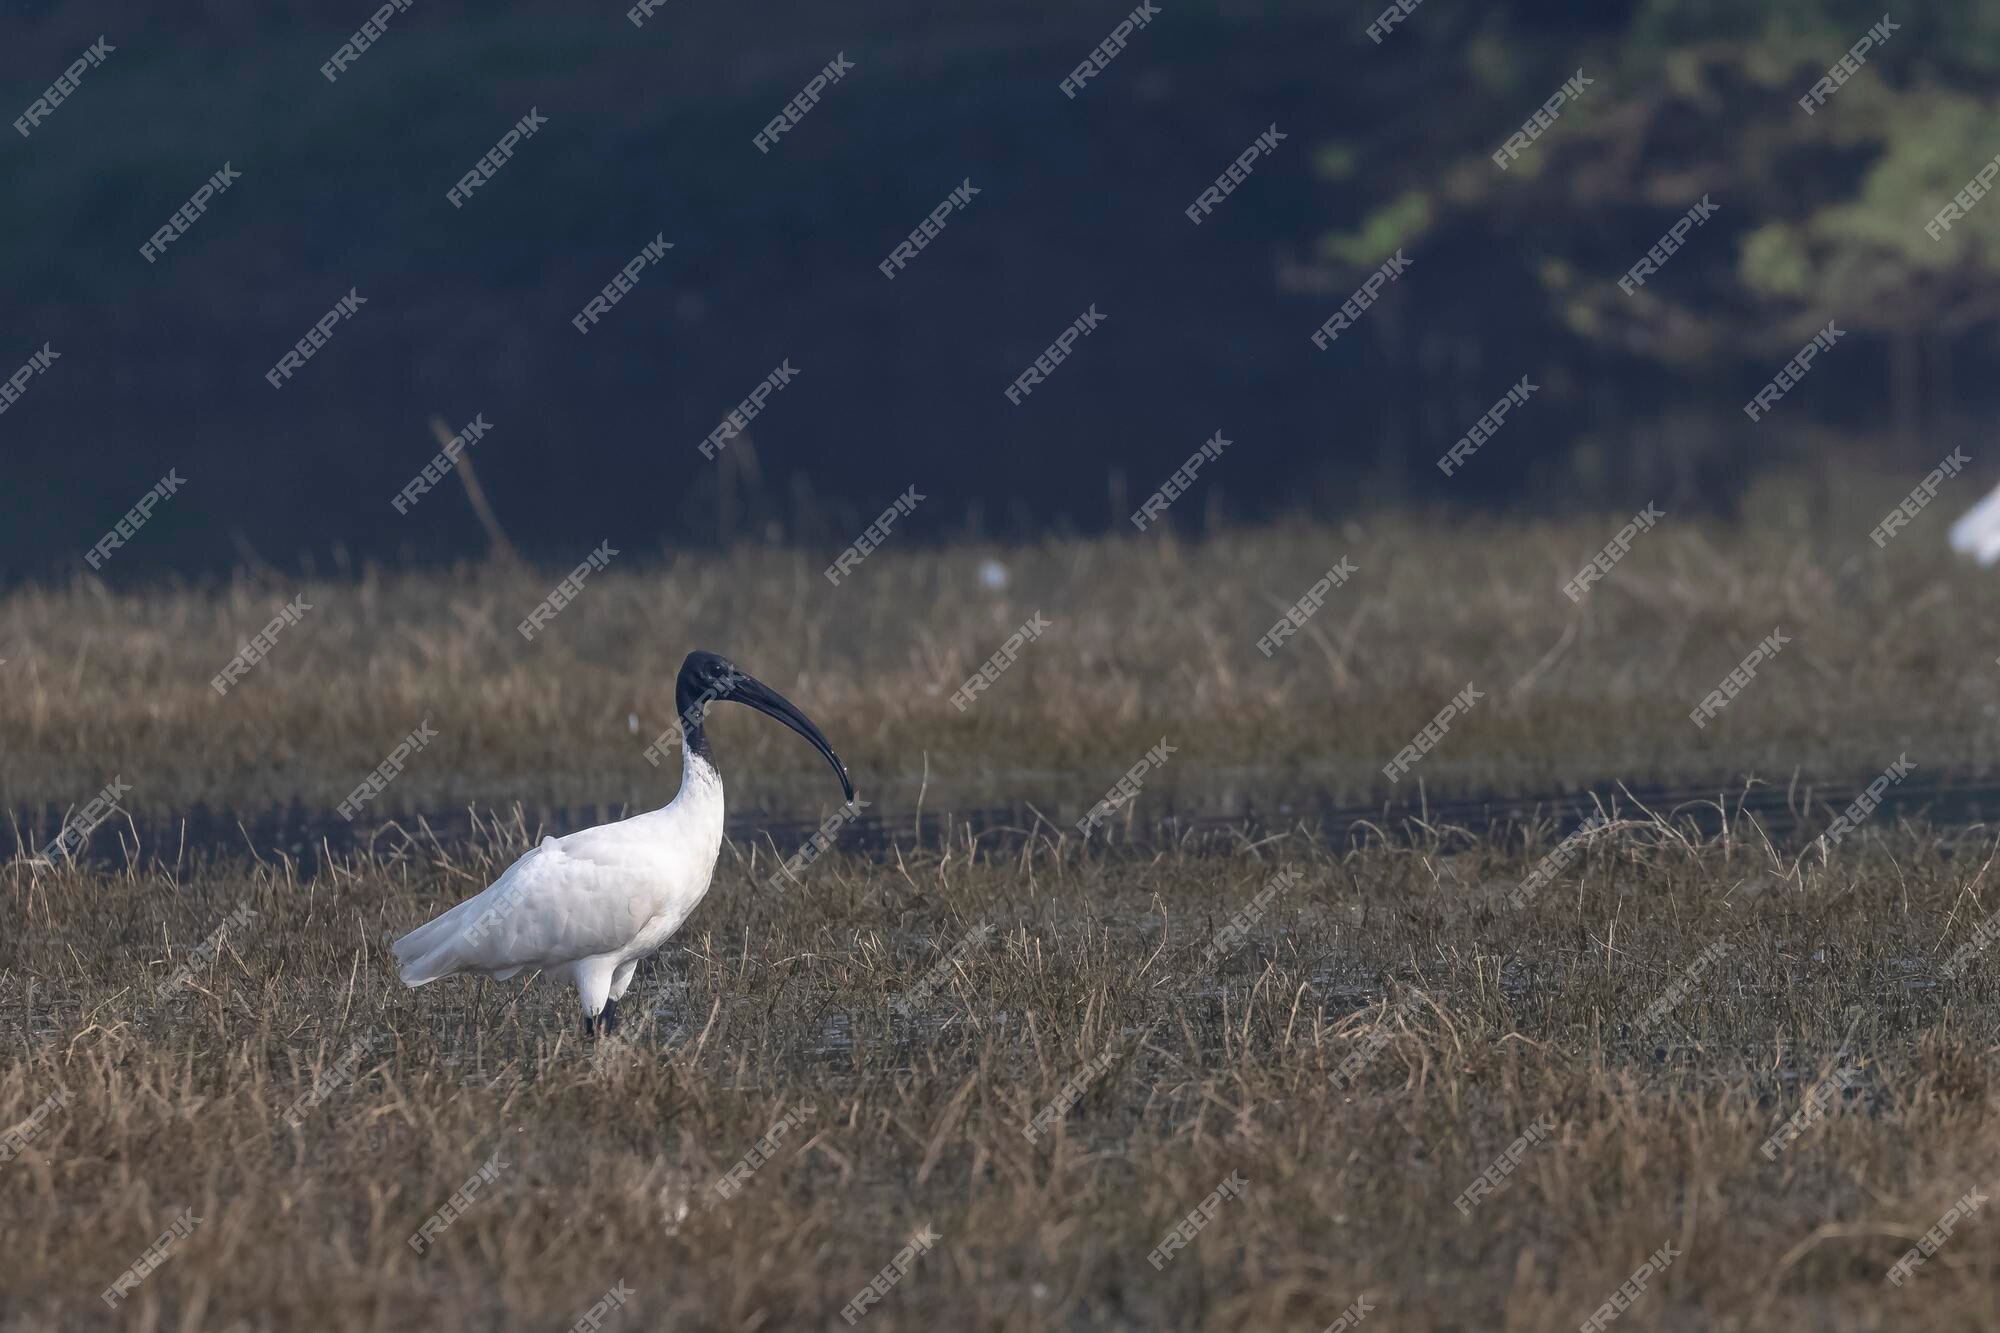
705,671
712,678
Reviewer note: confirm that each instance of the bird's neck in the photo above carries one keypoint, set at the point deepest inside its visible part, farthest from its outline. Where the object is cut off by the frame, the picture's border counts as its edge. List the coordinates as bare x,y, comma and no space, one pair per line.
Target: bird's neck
692,709
698,770
697,764
694,738
701,783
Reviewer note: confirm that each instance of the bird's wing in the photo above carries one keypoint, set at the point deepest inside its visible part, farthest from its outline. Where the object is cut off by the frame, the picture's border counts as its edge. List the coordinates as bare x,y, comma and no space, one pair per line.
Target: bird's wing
569,898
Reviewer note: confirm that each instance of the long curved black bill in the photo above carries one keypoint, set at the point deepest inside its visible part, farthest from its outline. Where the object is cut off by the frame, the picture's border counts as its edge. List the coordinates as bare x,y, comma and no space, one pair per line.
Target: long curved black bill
749,690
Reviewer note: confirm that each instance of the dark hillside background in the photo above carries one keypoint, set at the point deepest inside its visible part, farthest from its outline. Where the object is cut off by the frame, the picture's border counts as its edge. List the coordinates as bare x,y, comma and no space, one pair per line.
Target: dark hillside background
594,437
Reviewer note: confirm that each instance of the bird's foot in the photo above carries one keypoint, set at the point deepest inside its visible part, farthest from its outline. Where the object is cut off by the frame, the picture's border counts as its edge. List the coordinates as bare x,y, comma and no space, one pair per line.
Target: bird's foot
608,1021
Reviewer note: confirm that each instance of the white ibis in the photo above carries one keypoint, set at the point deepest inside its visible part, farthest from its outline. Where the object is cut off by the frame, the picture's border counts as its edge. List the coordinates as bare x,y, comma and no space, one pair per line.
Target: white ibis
1977,533
589,906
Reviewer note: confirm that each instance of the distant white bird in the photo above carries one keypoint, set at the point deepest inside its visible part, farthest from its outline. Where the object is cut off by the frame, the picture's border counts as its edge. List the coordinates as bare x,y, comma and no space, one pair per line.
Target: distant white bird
1977,534
589,906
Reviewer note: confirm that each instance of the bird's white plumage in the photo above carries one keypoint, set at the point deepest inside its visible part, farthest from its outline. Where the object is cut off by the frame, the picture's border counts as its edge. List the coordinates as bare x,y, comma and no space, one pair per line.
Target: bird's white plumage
586,907
1977,534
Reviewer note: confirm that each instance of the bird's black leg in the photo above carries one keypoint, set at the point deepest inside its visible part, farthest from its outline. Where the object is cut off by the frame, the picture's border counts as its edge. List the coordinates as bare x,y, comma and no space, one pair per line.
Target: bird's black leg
589,1028
610,1018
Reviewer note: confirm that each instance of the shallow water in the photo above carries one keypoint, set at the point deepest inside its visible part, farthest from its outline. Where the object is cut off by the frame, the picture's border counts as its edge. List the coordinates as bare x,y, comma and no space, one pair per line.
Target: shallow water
308,834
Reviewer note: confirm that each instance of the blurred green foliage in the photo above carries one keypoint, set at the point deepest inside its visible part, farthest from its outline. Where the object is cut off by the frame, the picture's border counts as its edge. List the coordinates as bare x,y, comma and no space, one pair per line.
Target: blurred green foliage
1823,215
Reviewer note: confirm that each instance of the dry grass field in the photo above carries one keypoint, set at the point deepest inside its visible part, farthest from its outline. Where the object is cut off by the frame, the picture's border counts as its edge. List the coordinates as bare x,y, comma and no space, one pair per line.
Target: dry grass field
1303,1051
1891,651
1384,1028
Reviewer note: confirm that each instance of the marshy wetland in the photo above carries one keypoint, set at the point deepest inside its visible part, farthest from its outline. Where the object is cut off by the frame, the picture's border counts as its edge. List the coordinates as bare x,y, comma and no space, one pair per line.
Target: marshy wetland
1700,1035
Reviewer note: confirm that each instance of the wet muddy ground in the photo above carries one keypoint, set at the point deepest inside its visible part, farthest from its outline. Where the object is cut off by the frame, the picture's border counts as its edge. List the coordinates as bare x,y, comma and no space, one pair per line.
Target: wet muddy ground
1789,813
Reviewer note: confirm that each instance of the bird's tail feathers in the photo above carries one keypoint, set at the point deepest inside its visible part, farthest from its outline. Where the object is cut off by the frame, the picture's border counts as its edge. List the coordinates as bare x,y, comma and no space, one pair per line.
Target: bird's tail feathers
423,971
428,953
